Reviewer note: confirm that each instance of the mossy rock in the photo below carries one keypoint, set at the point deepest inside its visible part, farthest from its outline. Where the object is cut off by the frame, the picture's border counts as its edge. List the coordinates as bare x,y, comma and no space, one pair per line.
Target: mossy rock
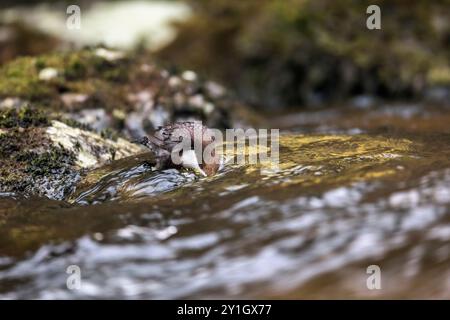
47,102
44,157
82,71
121,84
24,117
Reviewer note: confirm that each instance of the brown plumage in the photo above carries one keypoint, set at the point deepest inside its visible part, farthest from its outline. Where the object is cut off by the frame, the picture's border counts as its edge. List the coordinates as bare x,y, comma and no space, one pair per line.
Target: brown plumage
166,140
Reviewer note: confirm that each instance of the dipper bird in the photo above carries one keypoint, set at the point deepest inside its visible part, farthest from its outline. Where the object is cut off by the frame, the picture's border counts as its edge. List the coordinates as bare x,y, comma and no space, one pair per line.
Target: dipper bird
180,140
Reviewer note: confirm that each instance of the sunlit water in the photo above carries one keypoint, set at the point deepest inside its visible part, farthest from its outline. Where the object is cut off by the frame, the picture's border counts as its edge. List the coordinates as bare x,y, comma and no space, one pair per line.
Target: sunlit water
353,196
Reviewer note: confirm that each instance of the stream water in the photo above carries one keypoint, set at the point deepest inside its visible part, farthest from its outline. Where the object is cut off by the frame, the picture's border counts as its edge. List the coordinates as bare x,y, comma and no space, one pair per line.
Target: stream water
354,189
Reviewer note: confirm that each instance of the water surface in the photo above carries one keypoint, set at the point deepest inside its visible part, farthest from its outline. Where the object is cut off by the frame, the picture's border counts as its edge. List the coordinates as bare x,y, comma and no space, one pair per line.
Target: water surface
349,193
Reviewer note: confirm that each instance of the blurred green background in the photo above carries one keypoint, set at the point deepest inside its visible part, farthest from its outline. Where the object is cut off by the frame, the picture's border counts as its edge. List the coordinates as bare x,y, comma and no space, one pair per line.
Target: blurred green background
273,54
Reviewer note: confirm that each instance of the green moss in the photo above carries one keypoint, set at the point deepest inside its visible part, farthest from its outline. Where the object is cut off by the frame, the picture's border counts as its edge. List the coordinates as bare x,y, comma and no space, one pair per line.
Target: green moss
109,133
440,76
54,161
75,124
8,145
80,71
12,157
23,163
24,117
19,78
77,145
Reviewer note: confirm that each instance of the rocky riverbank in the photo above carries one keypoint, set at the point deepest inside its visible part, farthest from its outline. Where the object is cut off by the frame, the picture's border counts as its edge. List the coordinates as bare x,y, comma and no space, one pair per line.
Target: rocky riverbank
62,114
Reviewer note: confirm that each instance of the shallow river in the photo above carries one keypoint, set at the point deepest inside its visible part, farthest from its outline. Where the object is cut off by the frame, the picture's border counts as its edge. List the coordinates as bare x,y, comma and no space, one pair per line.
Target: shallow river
353,189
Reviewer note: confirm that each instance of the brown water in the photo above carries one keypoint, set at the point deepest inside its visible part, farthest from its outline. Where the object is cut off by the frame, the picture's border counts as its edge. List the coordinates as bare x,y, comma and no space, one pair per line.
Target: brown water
354,189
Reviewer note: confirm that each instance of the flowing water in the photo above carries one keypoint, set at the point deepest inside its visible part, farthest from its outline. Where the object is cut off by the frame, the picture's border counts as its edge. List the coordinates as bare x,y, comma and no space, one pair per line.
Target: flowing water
353,189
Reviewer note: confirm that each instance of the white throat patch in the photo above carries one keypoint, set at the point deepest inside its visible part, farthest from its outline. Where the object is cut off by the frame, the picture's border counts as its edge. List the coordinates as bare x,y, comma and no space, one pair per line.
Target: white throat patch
189,160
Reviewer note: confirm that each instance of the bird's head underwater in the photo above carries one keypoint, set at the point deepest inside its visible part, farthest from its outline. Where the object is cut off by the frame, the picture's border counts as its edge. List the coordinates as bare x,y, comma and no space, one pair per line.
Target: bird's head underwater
184,144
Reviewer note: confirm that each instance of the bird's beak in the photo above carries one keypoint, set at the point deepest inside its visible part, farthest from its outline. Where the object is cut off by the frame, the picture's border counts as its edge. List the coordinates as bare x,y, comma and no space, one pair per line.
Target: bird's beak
189,160
202,172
